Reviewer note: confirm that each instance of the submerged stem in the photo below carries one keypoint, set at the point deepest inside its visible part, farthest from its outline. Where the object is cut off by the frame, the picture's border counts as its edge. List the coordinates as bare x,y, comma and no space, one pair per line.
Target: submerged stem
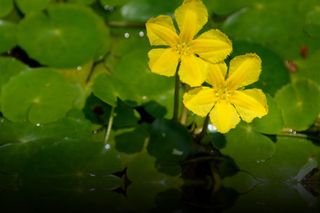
176,95
109,127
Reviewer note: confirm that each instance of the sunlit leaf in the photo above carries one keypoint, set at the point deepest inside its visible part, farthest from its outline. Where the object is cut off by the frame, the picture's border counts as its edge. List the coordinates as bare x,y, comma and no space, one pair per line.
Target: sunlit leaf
81,1
299,108
54,37
39,96
7,35
131,80
141,10
272,123
6,7
27,6
247,147
309,67
260,26
9,67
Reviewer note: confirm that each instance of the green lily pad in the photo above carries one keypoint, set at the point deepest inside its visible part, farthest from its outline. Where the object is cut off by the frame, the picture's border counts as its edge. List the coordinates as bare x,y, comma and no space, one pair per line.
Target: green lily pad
130,78
28,6
131,140
299,103
274,75
270,23
108,3
9,67
248,148
309,67
272,123
125,116
312,23
170,143
291,154
39,96
53,38
81,1
6,7
141,10
7,35
221,7
72,127
286,163
96,110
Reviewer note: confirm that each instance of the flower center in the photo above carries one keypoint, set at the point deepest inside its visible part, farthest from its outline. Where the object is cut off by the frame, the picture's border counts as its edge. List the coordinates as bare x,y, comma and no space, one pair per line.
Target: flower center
183,48
223,93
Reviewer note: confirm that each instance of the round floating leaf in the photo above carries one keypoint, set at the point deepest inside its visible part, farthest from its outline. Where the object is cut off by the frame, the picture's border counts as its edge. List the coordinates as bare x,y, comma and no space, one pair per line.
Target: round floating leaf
7,35
271,23
64,36
72,127
247,147
125,116
312,23
170,143
299,103
106,3
81,1
272,123
131,79
309,67
38,96
6,7
291,154
141,10
274,75
222,7
27,6
9,67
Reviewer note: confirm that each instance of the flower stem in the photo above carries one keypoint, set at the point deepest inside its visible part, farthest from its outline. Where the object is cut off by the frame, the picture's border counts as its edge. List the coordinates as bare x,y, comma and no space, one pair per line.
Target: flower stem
204,129
106,138
176,95
184,116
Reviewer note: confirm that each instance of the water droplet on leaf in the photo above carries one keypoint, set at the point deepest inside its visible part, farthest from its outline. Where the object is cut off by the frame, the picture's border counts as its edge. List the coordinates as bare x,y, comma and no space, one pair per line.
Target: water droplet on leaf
126,35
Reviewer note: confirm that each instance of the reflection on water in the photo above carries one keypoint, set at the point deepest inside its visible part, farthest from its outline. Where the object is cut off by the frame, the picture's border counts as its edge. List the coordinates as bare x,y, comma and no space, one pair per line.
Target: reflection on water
94,192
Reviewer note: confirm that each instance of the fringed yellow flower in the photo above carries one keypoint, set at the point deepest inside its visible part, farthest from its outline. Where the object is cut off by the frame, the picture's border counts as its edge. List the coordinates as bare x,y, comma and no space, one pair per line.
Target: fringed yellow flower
193,53
226,101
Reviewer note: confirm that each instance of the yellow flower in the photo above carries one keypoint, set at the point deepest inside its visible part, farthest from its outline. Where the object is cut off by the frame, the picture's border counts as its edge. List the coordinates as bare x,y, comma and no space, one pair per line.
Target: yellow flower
226,101
193,53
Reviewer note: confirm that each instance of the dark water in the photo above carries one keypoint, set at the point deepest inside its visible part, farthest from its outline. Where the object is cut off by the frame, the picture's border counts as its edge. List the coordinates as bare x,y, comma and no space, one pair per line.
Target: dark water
115,193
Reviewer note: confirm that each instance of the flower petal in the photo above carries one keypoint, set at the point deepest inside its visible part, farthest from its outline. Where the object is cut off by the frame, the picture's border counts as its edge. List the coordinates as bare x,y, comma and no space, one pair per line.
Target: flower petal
250,103
161,31
216,74
244,70
224,116
200,100
191,16
193,70
212,45
163,61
